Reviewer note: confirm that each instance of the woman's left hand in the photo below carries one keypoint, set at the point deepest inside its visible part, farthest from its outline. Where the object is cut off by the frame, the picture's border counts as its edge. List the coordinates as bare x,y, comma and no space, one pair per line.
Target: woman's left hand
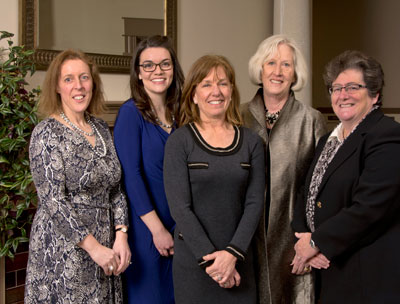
223,269
121,248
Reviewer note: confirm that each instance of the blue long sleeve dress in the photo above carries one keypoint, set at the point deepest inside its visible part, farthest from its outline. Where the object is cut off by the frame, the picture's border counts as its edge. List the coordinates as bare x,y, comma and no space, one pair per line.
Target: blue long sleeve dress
140,148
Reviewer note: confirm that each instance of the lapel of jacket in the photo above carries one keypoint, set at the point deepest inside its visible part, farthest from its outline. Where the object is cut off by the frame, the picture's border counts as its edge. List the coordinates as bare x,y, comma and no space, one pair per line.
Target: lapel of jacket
257,109
351,144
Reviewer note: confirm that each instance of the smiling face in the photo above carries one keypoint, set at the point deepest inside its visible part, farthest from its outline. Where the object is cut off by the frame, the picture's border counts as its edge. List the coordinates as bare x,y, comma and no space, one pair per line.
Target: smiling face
351,108
75,86
158,81
278,73
213,95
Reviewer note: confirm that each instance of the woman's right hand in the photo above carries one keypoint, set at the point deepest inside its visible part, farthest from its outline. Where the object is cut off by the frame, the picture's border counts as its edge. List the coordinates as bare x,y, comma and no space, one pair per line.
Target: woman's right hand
106,258
223,269
103,256
233,280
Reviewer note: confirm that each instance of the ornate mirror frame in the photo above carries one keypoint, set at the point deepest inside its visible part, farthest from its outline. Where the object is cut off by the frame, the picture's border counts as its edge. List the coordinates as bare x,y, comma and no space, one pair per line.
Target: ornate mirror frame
106,63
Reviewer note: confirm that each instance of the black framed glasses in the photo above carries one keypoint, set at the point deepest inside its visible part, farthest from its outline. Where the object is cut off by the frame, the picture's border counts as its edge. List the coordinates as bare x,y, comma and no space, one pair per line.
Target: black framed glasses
150,66
350,88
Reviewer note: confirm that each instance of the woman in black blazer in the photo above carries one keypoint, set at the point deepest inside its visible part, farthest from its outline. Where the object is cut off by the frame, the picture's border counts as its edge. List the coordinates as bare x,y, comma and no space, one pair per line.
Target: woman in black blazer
348,220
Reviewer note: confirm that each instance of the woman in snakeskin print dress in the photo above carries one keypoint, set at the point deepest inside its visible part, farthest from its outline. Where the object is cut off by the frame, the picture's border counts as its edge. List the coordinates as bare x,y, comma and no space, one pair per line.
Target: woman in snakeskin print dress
75,256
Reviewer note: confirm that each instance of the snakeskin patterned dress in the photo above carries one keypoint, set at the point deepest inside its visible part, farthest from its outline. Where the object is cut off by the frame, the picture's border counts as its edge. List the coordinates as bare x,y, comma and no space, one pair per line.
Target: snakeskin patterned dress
79,193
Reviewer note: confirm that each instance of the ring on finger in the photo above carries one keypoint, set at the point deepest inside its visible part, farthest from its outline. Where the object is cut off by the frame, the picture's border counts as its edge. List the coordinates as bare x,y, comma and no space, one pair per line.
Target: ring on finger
111,267
307,268
219,278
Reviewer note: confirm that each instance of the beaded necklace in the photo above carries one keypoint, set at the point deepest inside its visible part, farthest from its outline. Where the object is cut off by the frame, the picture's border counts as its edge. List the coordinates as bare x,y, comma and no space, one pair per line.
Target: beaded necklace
163,124
94,130
75,127
271,117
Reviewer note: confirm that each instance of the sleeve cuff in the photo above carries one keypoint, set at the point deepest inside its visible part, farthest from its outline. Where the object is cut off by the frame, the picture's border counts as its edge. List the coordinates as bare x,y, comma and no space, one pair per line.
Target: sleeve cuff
236,252
204,264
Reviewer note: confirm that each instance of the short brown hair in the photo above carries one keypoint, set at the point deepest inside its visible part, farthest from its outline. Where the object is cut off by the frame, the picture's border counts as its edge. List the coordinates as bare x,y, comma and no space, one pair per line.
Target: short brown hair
189,110
50,100
368,66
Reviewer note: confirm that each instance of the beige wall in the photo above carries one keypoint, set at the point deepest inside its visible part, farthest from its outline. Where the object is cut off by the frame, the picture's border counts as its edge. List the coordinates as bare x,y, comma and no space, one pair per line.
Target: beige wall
367,25
116,86
232,28
9,18
74,23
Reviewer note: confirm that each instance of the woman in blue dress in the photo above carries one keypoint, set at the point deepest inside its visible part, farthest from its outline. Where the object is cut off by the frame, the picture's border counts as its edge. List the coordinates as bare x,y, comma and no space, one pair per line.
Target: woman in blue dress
142,127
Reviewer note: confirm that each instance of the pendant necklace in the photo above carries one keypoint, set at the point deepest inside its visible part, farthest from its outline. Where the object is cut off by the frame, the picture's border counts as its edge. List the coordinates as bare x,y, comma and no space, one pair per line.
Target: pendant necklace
94,130
163,124
271,117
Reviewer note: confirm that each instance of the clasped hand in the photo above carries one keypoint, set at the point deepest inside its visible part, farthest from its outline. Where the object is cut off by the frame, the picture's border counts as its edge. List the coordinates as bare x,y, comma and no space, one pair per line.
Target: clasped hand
223,269
307,256
112,261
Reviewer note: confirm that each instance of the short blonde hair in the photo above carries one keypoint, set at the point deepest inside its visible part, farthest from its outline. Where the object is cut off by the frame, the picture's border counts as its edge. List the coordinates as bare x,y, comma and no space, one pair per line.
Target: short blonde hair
50,101
189,111
266,49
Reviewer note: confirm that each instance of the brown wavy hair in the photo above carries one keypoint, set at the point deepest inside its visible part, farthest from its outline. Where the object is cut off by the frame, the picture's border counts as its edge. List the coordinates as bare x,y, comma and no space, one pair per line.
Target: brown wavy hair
370,68
50,101
189,111
139,94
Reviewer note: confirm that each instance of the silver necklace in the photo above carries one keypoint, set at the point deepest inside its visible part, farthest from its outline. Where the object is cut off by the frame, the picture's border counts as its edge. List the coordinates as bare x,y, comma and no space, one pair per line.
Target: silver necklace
94,130
163,124
271,117
75,127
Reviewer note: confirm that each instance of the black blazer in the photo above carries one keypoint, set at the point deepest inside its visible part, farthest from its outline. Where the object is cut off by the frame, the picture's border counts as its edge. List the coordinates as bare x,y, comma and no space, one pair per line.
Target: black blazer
357,215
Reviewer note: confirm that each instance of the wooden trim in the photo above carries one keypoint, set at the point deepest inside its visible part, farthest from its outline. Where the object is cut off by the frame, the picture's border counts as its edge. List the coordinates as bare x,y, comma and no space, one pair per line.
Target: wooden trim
171,12
111,113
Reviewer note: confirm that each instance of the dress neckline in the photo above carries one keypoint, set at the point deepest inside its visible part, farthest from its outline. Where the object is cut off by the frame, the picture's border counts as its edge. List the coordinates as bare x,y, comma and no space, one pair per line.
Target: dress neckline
232,148
79,135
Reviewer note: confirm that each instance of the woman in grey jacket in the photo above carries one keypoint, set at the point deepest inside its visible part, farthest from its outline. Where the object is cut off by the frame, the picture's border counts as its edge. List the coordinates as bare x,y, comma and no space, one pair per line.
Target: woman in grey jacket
290,130
214,179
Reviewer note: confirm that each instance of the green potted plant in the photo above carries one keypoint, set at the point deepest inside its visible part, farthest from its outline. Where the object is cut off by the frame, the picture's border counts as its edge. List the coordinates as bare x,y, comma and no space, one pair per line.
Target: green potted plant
18,118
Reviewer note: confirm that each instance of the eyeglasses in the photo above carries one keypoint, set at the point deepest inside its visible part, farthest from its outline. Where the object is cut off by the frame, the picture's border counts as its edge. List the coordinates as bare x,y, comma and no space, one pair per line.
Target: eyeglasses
350,88
150,66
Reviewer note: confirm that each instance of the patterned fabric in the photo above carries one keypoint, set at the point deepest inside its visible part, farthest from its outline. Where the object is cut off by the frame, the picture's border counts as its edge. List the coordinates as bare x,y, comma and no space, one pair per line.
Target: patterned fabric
79,193
327,154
